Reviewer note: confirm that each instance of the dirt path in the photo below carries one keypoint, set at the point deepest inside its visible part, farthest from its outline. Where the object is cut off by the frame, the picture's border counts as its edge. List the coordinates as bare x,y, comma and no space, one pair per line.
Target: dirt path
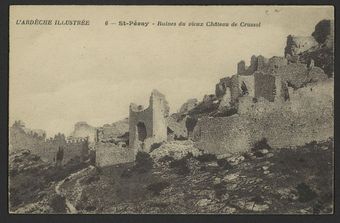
70,207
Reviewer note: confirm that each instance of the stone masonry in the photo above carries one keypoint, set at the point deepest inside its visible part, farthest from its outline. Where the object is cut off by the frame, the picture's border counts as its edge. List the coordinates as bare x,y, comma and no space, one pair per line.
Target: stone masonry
148,126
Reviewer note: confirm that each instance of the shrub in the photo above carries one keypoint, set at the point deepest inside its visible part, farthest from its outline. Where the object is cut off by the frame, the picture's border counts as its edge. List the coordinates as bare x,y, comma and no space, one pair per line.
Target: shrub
246,156
206,157
258,154
262,144
181,166
143,162
223,163
58,204
156,188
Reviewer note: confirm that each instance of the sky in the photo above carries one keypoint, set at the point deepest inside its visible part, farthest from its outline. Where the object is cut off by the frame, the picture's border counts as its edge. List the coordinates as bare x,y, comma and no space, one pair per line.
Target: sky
60,75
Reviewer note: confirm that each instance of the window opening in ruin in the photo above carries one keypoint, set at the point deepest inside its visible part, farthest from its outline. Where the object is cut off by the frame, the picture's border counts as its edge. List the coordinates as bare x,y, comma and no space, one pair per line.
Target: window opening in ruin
244,88
141,131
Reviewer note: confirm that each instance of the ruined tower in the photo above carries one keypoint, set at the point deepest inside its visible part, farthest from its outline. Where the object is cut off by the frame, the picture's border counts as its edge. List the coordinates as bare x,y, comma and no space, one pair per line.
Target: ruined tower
148,126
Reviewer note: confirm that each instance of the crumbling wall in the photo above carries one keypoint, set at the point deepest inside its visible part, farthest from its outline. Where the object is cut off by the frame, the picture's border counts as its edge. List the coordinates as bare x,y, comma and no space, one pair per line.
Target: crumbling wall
246,77
307,116
151,120
274,63
108,154
229,84
265,86
256,63
76,150
47,149
177,128
298,75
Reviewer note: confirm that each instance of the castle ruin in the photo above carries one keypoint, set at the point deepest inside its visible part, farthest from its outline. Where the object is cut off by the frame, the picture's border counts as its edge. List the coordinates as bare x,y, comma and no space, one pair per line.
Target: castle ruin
148,126
259,79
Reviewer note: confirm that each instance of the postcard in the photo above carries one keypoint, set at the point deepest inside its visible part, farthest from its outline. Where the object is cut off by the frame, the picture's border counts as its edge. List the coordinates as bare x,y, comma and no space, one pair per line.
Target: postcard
171,109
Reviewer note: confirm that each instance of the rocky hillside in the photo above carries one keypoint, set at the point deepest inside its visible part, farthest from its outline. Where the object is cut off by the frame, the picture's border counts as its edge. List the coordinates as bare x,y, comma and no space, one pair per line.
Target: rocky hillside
285,181
32,183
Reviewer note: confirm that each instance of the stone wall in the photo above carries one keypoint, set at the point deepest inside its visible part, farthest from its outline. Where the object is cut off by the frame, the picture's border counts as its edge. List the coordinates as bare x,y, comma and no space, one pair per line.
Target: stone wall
47,149
308,116
265,86
229,84
108,154
176,128
297,74
256,63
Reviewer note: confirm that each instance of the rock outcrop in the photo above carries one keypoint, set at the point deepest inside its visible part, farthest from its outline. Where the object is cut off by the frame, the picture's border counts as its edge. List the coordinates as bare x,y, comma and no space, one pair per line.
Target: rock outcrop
319,47
189,105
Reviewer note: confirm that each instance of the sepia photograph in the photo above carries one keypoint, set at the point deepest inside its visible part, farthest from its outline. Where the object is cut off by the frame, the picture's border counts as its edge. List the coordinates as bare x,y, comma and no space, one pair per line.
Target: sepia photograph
171,110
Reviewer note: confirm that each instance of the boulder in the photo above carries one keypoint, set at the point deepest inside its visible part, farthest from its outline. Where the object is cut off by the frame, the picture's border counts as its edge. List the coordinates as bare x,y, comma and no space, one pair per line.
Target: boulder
175,149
